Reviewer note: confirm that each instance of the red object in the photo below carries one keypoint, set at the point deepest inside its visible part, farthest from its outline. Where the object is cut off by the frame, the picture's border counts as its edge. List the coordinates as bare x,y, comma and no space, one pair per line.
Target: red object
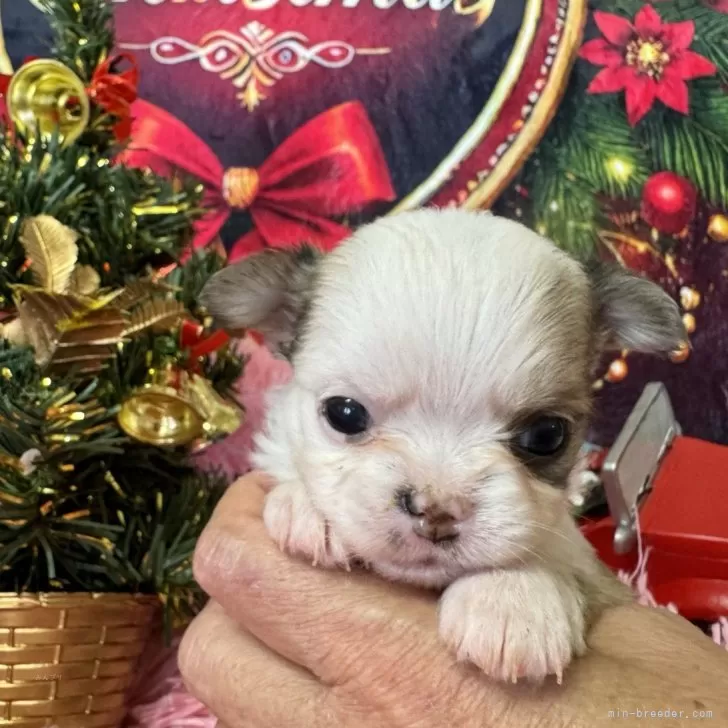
191,337
115,91
684,521
331,166
649,59
668,202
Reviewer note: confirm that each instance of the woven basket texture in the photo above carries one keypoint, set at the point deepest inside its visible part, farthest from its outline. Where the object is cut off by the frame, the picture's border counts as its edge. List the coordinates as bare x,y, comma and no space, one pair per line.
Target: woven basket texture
67,660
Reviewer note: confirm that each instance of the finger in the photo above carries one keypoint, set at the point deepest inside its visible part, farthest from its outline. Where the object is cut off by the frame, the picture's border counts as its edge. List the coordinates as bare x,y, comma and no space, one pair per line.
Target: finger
316,618
242,682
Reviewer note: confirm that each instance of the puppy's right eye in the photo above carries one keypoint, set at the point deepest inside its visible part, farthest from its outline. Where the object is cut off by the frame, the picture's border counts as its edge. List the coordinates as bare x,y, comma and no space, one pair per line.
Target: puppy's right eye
346,415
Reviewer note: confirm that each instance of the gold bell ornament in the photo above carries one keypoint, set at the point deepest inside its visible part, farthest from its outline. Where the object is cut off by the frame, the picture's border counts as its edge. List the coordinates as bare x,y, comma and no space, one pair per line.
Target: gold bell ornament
45,97
177,408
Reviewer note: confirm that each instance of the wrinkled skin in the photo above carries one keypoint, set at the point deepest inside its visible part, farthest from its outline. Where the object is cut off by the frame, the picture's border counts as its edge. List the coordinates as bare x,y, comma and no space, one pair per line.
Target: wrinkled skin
284,645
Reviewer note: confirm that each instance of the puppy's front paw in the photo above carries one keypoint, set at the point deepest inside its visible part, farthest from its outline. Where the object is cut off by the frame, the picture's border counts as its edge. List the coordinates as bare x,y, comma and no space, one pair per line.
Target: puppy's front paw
299,529
525,623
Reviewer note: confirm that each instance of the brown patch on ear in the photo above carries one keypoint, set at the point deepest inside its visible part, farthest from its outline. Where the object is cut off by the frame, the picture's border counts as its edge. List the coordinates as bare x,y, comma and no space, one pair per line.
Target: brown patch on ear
269,292
634,313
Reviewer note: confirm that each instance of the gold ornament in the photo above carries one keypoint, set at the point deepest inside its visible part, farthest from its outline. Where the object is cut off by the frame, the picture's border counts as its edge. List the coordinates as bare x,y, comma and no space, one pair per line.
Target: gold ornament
176,408
617,371
680,354
45,97
52,249
52,255
157,314
689,298
158,415
67,330
689,322
718,228
240,187
140,290
222,417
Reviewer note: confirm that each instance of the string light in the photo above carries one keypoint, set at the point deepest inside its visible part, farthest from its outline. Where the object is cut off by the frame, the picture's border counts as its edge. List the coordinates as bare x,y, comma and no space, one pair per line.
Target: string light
619,168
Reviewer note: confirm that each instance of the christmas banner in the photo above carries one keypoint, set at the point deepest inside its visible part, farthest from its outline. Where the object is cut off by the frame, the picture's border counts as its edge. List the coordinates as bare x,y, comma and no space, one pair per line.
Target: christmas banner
603,125
383,104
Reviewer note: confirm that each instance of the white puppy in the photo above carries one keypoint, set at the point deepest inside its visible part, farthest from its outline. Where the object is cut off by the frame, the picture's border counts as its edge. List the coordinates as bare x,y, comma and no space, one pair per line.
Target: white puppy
442,378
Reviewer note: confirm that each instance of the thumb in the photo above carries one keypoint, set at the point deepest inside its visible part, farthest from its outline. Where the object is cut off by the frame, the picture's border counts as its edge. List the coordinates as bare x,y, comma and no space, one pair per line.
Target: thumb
321,620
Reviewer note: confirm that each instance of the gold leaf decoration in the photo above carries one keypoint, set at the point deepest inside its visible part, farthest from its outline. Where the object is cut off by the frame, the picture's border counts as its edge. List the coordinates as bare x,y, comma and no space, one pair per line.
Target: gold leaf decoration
40,312
158,314
52,249
67,331
140,290
85,281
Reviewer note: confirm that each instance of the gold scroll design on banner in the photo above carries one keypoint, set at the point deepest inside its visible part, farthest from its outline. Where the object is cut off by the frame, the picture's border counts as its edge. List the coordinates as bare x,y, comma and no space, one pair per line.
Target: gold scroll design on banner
256,58
480,9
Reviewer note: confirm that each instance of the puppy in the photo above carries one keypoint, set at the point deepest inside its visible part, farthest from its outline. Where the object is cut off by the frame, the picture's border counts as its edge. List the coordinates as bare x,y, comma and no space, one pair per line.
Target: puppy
442,380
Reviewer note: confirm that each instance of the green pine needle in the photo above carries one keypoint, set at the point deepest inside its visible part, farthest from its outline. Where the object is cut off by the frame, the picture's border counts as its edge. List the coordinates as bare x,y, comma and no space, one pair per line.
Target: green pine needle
96,510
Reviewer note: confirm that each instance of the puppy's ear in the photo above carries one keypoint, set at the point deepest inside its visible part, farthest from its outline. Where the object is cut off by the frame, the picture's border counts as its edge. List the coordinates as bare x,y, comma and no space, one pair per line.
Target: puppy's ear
268,292
635,313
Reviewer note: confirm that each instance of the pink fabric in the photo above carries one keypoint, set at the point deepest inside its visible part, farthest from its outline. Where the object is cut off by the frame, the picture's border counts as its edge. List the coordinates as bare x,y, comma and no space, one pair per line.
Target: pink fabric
159,697
262,372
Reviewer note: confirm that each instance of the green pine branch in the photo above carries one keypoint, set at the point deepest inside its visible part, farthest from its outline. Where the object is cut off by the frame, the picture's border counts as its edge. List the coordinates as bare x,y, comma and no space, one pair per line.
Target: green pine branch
589,151
693,146
93,509
127,218
83,33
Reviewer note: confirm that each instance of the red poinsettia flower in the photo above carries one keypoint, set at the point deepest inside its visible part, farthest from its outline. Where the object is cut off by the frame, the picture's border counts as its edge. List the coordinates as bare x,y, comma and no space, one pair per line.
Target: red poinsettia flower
649,59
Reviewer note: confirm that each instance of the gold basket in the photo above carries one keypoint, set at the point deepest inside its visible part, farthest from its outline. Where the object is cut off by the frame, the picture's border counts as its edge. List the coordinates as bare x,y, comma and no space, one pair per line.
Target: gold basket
67,660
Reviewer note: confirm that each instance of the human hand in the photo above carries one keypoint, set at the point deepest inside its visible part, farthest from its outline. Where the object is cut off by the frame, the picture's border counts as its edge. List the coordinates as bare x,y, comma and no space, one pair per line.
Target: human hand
283,644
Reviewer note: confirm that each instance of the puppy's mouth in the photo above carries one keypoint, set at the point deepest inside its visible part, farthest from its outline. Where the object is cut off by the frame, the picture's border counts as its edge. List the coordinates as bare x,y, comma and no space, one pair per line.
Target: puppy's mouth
409,547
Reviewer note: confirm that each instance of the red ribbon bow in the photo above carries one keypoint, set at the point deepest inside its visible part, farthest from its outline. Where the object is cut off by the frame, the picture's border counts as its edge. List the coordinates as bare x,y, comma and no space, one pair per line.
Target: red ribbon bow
192,338
115,92
331,166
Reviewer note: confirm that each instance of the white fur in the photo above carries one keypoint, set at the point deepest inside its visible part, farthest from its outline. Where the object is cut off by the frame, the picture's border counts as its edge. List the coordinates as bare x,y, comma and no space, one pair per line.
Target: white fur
445,325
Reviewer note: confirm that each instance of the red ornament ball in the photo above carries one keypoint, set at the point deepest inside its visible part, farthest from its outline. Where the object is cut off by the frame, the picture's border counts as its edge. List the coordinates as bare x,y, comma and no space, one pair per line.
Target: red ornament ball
668,202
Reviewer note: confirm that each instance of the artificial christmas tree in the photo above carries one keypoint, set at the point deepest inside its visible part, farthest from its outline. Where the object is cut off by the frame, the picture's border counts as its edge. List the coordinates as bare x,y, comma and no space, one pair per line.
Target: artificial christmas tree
110,381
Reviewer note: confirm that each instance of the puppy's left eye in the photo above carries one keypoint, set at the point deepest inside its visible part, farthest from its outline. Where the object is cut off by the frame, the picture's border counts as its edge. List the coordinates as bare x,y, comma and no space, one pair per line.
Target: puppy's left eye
346,415
543,436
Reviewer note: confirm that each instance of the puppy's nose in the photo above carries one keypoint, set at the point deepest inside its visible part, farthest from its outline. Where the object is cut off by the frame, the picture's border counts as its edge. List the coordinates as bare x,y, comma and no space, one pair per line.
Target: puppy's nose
436,521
